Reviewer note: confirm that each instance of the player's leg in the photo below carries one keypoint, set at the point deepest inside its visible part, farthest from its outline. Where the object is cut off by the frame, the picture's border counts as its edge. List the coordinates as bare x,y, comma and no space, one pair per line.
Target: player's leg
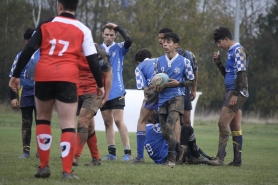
226,116
118,115
173,108
88,106
141,133
106,113
235,127
27,119
92,144
44,100
150,103
66,104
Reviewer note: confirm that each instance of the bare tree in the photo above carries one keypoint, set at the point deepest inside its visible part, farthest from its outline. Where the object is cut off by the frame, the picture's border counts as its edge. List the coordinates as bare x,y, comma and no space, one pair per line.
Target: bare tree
37,20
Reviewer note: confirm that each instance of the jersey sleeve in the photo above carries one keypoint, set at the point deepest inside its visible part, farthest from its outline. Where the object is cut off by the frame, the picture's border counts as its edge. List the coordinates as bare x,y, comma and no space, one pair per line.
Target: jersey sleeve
188,70
123,49
194,63
240,59
14,65
88,45
141,81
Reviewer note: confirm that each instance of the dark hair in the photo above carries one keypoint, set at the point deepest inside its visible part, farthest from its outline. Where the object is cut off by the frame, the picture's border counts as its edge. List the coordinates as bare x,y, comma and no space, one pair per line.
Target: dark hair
28,33
221,33
70,5
108,27
173,36
142,54
165,30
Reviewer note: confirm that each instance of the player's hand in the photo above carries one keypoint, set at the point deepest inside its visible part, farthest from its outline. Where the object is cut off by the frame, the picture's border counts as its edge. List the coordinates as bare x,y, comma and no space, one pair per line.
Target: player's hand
171,83
157,89
216,57
112,24
233,100
15,103
100,92
104,100
14,84
192,95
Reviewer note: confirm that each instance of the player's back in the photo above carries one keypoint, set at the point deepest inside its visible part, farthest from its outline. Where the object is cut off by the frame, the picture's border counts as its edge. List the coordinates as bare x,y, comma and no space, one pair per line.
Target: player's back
62,40
144,73
155,144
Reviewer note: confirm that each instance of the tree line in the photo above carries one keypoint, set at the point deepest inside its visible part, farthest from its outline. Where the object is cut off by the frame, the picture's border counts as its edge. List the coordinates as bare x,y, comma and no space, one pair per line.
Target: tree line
193,21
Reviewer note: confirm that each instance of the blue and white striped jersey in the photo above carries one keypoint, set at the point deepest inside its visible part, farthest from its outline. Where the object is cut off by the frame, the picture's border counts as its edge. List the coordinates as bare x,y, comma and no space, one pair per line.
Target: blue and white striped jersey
178,68
116,52
237,60
144,73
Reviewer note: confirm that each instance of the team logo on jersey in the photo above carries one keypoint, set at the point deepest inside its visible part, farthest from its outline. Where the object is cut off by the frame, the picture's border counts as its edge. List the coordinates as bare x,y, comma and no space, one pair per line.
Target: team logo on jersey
65,148
157,128
229,56
162,69
113,53
177,70
44,141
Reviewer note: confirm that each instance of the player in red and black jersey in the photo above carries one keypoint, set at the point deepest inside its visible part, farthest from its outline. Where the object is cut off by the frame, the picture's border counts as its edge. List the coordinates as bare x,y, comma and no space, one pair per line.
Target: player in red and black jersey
60,40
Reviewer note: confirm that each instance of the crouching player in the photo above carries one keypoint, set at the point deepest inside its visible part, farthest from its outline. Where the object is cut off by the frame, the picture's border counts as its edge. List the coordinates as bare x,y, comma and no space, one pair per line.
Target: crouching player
88,105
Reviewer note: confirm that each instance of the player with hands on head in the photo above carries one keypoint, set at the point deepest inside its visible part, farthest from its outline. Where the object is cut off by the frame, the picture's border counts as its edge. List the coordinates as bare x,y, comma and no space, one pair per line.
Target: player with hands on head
60,39
113,109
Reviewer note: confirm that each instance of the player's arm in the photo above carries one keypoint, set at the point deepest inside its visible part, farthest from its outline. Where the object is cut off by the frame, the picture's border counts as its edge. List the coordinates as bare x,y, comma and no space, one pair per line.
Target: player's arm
195,71
217,61
14,101
176,83
95,68
106,69
107,86
128,40
241,81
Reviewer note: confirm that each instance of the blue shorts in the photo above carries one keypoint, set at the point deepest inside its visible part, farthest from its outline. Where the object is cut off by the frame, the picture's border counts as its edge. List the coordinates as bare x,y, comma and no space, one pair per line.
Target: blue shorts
187,100
27,98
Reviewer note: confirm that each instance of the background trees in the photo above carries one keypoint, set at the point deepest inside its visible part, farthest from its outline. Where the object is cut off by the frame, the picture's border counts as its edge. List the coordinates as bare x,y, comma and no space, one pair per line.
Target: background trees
193,21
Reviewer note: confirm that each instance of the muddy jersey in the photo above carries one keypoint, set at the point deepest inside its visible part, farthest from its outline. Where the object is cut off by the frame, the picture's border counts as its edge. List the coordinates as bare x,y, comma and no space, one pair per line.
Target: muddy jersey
178,68
87,82
60,49
237,60
116,52
144,73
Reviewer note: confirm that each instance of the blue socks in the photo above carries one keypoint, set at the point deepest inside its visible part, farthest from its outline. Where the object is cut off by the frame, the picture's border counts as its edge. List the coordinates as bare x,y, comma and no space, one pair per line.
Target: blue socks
141,136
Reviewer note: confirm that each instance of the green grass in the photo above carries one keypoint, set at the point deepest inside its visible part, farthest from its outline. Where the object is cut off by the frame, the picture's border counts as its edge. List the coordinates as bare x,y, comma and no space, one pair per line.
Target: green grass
259,159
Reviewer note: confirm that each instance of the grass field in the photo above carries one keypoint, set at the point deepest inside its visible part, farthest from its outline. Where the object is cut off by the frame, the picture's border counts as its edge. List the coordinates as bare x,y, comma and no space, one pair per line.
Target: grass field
260,159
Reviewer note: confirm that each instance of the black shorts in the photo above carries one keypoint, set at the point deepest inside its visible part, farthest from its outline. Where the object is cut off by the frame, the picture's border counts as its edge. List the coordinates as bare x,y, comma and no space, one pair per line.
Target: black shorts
116,103
63,91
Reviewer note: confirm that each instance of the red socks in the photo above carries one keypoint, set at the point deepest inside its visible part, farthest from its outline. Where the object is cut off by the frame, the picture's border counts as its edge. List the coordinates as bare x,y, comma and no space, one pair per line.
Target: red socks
44,139
67,145
92,144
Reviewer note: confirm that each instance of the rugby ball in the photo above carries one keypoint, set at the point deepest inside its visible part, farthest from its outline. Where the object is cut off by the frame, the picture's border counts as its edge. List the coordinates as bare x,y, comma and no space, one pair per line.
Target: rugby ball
159,79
